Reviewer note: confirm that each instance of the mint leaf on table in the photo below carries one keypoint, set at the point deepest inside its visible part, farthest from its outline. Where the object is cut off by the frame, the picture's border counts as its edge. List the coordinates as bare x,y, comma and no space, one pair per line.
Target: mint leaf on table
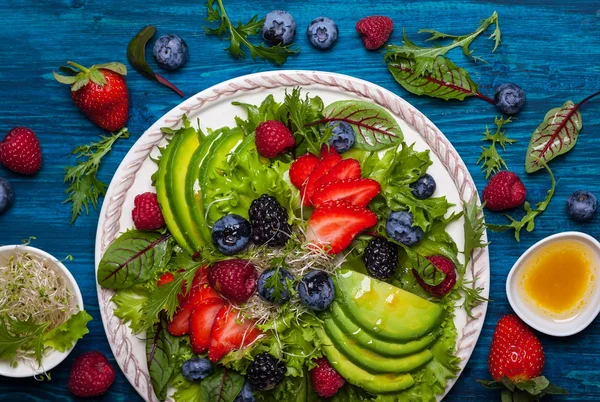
84,187
238,35
133,258
161,347
528,221
66,334
492,161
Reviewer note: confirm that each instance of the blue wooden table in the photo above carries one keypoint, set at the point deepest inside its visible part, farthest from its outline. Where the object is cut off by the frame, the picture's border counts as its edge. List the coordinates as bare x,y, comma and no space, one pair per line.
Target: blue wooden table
551,48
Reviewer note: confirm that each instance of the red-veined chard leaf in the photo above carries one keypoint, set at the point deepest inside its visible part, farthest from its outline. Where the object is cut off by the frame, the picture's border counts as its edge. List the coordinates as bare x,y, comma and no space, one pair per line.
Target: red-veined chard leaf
375,128
424,268
134,258
222,386
161,346
445,81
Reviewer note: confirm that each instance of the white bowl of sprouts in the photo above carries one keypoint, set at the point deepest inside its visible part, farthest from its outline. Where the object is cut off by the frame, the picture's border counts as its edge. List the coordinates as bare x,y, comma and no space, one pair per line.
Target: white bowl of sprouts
41,312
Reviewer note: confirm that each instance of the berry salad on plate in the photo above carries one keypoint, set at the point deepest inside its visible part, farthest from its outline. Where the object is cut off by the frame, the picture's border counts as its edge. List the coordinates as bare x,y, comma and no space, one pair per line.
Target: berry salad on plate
302,253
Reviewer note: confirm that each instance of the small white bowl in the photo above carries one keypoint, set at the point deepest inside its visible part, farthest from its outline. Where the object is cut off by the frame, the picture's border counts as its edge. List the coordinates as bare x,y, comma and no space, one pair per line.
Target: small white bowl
54,357
533,317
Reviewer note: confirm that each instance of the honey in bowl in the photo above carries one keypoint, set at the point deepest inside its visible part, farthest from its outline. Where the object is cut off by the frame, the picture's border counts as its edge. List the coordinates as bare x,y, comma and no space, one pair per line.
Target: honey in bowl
559,278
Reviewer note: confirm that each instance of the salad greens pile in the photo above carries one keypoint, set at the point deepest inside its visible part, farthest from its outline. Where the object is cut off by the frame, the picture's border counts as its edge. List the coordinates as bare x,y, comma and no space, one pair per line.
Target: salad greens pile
135,261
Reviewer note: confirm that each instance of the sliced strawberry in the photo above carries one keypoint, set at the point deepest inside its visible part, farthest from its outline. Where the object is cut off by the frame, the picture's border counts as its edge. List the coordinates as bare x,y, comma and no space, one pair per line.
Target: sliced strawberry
180,324
325,164
346,169
230,333
301,168
201,323
165,278
335,224
358,192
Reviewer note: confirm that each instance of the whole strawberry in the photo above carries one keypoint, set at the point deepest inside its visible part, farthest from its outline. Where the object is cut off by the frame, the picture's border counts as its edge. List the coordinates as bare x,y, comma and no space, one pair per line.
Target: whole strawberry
91,375
375,31
273,138
146,213
234,279
516,357
100,92
504,191
325,380
447,267
20,151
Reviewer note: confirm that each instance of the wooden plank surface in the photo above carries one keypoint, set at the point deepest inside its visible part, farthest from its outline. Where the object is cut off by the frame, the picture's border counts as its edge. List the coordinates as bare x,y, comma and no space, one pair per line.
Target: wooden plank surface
551,48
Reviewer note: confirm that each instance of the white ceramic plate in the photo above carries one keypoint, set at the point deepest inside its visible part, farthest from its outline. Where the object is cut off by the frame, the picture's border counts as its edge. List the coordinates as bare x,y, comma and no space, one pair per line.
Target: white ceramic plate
54,357
213,107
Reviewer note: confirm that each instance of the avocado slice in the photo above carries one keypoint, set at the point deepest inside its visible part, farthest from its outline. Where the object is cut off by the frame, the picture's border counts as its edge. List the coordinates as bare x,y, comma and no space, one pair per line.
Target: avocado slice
213,166
185,143
370,342
374,383
388,312
370,360
163,193
193,189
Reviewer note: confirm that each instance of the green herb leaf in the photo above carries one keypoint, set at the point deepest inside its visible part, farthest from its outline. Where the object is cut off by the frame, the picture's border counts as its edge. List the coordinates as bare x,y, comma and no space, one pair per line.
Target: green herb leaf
424,57
161,347
375,128
136,54
238,35
84,188
222,386
133,258
18,336
66,334
424,268
301,113
446,81
528,221
474,229
130,304
492,161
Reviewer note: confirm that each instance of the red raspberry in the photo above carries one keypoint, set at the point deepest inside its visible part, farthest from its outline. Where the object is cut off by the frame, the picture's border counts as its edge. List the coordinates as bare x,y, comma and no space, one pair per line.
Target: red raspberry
504,191
447,267
273,138
326,381
235,279
146,213
91,375
375,31
20,151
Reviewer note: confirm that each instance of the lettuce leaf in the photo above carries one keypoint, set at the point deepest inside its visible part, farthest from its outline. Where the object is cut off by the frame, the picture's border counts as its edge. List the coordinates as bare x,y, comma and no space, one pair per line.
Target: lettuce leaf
66,334
130,304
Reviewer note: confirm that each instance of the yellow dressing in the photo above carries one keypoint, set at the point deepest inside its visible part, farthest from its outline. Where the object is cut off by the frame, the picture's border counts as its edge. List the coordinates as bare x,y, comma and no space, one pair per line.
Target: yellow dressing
559,277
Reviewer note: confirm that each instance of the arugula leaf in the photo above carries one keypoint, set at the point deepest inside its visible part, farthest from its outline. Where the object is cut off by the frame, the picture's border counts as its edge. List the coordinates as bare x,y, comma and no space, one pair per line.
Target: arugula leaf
474,228
133,258
130,304
17,336
66,334
238,35
424,57
492,161
84,188
303,114
528,221
161,347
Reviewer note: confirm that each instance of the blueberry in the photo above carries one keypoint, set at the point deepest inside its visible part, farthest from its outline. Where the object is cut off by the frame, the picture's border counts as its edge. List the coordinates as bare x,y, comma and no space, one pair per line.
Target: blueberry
322,33
399,227
279,28
316,290
509,98
424,187
170,52
196,369
245,394
582,205
231,234
6,195
343,137
266,290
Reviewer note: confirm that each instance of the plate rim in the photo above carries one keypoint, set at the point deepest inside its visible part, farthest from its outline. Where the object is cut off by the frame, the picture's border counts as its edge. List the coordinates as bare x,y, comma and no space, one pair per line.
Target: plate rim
124,178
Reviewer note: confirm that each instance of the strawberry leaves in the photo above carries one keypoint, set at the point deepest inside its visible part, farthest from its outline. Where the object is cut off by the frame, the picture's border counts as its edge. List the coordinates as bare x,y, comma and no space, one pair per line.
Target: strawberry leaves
556,135
78,76
136,54
492,161
375,128
238,36
523,391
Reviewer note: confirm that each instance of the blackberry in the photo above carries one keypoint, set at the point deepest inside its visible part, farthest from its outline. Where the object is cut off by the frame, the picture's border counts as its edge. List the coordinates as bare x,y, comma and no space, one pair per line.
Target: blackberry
381,258
265,372
269,222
